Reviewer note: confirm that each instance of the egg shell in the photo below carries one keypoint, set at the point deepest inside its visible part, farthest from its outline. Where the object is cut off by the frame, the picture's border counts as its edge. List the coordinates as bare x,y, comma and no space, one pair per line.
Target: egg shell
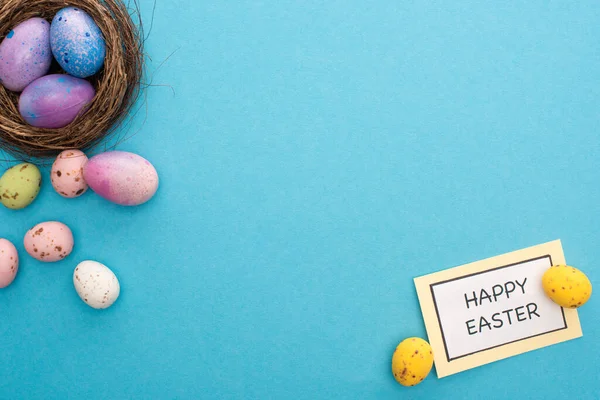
66,174
567,286
412,361
49,241
20,185
96,284
121,177
25,54
54,101
9,263
77,42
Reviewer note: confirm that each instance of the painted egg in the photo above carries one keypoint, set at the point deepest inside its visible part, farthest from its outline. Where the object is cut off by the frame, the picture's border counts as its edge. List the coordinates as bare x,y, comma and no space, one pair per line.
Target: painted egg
412,361
566,286
25,54
67,174
77,42
9,263
49,241
121,177
96,284
54,101
20,185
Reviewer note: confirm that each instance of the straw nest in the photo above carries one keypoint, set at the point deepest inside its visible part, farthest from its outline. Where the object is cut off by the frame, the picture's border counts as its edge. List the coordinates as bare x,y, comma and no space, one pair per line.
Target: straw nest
117,84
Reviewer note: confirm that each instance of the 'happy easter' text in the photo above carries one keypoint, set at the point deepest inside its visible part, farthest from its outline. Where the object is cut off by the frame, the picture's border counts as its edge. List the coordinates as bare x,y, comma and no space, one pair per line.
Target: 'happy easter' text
504,318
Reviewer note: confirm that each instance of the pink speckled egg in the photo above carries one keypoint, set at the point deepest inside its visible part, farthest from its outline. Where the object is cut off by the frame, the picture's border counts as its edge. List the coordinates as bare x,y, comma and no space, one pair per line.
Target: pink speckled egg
9,263
121,177
49,241
67,174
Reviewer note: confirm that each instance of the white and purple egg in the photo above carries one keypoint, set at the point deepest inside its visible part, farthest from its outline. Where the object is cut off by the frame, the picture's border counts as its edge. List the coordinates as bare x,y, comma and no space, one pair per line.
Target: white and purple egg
54,101
25,54
121,177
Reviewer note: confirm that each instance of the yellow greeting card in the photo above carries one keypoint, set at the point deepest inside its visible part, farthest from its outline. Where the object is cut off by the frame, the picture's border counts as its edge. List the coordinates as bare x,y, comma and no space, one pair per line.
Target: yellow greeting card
493,309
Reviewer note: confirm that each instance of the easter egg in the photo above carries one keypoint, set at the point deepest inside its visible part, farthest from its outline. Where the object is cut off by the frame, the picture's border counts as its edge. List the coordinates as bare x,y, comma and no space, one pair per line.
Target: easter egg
66,174
25,54
49,241
412,361
566,286
96,284
77,42
54,101
121,177
9,263
20,185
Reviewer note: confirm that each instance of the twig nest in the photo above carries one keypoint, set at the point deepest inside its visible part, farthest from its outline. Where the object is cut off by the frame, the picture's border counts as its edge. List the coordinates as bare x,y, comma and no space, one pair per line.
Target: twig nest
114,71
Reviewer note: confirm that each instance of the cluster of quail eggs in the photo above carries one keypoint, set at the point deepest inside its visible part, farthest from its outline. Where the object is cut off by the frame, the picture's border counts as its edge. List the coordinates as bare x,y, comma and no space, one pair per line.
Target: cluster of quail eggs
120,177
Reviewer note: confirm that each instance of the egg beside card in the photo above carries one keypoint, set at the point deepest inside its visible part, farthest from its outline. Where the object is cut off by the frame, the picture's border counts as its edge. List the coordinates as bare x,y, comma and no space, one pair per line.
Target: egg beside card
66,174
49,241
567,286
25,54
96,284
54,101
412,361
77,42
121,177
9,263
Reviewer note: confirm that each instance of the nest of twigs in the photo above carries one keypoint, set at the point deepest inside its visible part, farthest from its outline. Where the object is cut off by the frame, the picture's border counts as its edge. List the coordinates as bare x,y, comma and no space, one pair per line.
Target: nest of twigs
117,84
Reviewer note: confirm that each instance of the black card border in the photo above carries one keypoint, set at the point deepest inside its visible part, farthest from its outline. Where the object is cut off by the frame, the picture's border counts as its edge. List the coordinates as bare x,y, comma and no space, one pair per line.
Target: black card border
479,273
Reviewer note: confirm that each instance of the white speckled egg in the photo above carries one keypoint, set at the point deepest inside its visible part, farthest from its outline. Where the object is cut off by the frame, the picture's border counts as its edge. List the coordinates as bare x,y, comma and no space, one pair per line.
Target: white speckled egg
96,284
9,263
67,174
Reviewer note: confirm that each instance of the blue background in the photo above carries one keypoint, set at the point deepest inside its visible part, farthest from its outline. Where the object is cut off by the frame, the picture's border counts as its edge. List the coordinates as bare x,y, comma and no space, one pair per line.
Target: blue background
314,158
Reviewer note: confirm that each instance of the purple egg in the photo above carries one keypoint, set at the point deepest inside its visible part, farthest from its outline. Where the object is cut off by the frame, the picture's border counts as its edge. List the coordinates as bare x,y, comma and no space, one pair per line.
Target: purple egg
121,177
25,54
54,101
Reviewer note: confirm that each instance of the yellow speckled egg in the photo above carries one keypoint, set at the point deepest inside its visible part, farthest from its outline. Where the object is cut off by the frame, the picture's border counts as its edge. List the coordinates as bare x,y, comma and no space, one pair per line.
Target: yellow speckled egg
567,286
412,361
20,185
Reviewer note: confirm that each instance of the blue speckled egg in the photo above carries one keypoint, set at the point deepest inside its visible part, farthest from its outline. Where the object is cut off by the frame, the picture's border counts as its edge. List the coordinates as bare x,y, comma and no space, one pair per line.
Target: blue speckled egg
77,42
54,101
25,54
